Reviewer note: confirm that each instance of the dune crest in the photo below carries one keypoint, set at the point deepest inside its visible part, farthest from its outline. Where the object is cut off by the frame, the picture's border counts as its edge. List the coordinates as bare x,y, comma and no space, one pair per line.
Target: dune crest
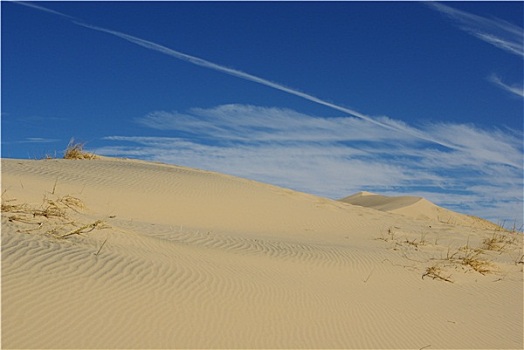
417,208
113,253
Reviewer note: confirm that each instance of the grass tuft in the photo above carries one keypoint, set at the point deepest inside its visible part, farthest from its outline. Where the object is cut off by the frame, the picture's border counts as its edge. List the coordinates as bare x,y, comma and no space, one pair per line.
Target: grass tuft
75,150
478,264
497,242
51,217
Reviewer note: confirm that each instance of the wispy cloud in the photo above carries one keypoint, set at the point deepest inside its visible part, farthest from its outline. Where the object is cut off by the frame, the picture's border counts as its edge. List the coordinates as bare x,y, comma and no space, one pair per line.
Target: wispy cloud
514,89
249,77
40,140
260,124
33,140
382,122
336,156
496,32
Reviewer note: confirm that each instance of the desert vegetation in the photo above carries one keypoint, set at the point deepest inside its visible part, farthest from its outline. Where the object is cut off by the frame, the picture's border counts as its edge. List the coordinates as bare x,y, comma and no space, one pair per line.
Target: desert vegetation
439,262
75,150
52,217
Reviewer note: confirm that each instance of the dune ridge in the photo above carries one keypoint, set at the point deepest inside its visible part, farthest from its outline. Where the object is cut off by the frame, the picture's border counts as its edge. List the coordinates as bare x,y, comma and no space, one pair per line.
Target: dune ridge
185,258
417,208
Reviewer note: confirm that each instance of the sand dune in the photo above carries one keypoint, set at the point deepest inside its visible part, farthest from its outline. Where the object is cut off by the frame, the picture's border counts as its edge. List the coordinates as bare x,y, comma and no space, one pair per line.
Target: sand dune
112,253
417,208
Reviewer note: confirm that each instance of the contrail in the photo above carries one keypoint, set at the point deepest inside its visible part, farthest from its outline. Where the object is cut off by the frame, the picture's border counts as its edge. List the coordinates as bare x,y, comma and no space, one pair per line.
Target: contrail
236,73
28,4
239,74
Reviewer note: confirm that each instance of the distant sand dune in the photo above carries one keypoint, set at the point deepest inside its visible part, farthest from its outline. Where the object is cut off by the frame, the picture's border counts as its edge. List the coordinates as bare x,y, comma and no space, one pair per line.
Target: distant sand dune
417,208
184,258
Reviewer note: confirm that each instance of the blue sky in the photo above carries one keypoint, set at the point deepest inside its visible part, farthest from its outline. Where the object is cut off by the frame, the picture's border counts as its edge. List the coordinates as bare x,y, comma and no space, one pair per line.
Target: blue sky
326,98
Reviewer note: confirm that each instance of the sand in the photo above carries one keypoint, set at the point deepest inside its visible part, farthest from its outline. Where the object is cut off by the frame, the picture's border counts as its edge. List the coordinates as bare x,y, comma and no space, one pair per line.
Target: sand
113,253
417,208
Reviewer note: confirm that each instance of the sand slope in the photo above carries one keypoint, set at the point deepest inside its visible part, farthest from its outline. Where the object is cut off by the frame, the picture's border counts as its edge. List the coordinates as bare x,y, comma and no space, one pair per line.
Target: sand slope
112,253
417,208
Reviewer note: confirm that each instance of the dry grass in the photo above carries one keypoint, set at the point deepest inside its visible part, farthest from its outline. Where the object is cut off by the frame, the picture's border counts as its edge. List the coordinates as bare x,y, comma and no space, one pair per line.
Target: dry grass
465,258
416,244
512,229
497,242
72,203
436,273
51,217
13,208
88,227
50,209
471,258
58,207
75,150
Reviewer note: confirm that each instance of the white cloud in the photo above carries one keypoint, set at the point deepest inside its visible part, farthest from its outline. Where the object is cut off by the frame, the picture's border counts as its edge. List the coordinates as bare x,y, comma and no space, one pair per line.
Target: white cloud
392,126
497,32
34,140
251,123
480,172
40,140
340,155
514,89
229,71
481,146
